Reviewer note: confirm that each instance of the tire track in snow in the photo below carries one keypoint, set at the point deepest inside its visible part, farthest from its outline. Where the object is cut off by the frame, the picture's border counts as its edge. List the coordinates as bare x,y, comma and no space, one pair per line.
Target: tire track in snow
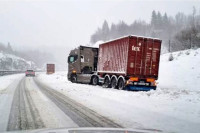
81,115
24,114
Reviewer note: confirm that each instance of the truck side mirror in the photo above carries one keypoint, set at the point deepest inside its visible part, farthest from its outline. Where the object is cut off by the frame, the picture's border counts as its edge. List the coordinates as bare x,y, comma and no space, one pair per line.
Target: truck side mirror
68,59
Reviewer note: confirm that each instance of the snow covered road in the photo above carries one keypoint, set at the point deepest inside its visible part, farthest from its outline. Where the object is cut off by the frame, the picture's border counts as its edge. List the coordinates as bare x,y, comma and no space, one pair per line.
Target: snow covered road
30,104
80,114
7,87
24,114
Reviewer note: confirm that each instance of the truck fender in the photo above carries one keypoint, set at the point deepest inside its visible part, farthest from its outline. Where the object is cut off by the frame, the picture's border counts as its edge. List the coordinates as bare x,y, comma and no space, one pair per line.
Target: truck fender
107,76
94,75
122,77
114,76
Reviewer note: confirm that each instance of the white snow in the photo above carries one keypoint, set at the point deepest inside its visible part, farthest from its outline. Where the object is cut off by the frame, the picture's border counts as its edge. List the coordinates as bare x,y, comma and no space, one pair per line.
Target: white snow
50,114
7,88
3,55
97,44
15,60
173,107
8,79
183,73
100,42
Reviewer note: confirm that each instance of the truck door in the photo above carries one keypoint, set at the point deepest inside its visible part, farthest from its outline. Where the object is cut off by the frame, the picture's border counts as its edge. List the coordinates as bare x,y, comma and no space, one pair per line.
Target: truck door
151,54
135,63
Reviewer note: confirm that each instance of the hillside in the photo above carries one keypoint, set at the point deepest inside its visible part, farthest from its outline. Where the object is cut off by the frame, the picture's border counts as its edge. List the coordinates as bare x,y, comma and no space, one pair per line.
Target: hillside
183,72
12,62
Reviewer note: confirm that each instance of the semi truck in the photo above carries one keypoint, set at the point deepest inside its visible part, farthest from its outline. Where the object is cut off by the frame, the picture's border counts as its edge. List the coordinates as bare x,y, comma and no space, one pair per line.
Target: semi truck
130,62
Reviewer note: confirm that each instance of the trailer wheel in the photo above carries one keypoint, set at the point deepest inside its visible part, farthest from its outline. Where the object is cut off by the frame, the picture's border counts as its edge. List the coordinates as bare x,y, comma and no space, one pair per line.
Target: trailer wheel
121,84
106,82
95,80
73,78
114,83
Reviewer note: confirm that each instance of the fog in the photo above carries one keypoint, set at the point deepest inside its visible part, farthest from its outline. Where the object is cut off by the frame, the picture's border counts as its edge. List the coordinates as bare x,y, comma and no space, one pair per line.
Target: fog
57,26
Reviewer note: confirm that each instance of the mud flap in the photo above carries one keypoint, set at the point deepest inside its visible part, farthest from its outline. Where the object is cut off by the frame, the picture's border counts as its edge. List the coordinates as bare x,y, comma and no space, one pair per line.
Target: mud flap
140,88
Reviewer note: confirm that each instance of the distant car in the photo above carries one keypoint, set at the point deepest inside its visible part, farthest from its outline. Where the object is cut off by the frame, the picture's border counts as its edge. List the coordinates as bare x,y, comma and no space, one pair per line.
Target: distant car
30,73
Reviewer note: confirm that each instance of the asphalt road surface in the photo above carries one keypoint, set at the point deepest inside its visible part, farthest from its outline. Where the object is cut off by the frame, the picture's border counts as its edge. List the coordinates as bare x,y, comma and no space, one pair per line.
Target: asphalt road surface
29,104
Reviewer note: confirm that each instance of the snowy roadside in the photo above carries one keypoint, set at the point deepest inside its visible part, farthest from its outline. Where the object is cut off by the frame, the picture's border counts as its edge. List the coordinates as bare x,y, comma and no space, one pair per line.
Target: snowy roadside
8,85
183,73
155,109
6,80
173,107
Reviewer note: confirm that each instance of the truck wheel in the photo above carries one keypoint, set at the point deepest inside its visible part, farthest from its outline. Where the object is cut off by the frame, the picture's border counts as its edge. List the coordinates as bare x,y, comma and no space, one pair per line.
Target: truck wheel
121,84
73,78
114,83
95,80
106,83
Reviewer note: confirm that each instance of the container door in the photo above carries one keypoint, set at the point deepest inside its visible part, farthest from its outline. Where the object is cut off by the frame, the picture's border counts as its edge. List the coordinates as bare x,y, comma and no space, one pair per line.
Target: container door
148,56
155,58
152,55
135,61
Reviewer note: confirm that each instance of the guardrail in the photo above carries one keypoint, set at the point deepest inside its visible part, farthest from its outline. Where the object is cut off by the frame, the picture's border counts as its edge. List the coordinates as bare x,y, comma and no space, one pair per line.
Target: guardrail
2,73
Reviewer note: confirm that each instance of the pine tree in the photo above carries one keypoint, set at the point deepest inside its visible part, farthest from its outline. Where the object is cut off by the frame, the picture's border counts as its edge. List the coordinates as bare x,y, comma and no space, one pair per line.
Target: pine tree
105,31
159,21
113,31
9,48
153,19
165,20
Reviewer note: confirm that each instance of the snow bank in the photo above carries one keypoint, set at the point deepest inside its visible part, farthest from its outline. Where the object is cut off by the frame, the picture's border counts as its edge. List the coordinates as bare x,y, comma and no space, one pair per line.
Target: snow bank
5,81
173,107
183,73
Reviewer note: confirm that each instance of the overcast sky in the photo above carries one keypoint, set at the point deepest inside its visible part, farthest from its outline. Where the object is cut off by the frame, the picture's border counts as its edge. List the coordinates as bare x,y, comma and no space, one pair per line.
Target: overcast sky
59,25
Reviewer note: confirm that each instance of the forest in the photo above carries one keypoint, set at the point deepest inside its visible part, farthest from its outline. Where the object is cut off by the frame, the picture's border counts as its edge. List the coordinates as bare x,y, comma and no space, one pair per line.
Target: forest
177,32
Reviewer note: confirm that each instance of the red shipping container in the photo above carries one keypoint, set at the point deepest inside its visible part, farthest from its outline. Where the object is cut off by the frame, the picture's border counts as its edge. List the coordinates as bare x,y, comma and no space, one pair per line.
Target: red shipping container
50,68
130,56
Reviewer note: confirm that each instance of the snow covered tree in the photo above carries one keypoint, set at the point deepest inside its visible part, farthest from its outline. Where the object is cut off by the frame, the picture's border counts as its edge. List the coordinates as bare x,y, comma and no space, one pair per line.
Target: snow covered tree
9,48
165,21
105,31
153,19
159,21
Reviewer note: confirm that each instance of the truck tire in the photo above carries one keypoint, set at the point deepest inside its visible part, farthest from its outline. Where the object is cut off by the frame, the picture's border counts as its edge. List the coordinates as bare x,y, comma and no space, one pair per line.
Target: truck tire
95,80
106,83
121,84
114,83
73,78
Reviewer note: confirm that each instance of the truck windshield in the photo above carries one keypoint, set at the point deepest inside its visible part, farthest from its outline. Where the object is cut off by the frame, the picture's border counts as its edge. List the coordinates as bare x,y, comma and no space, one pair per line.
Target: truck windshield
72,58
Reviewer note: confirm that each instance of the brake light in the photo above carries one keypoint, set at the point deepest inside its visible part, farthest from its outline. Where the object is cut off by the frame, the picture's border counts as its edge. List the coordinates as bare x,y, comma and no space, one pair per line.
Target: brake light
134,79
150,80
